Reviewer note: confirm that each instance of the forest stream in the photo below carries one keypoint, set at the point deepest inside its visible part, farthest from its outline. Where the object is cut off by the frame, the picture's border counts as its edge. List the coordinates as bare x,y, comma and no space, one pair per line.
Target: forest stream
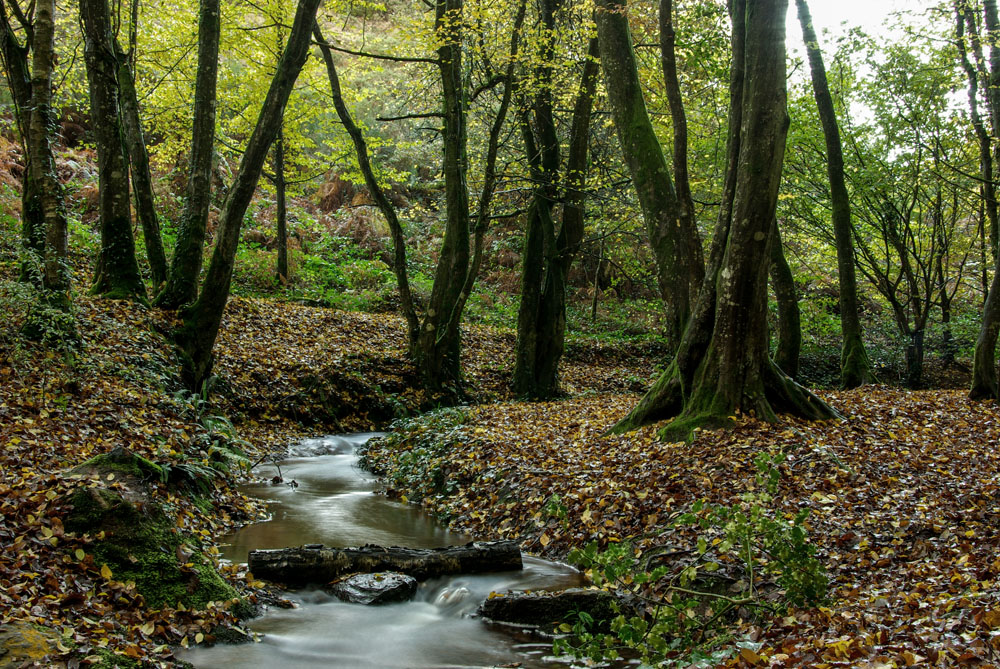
335,504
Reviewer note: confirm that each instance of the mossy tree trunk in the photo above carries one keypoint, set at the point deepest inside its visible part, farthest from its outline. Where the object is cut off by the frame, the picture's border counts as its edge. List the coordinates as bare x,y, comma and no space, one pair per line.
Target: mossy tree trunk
185,266
690,238
376,190
197,335
855,368
722,365
438,345
677,251
142,179
18,73
117,272
281,215
40,169
786,355
548,254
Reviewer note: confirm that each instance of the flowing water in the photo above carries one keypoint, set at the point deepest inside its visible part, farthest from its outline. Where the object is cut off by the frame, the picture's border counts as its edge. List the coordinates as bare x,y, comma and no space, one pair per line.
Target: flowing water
334,504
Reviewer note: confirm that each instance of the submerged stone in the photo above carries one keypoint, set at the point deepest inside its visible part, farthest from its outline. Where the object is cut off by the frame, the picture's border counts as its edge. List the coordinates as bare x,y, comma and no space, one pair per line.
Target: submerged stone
373,589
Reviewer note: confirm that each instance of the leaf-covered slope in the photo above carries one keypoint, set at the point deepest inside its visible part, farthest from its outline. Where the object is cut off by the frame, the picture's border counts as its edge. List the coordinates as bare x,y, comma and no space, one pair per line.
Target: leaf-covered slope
903,495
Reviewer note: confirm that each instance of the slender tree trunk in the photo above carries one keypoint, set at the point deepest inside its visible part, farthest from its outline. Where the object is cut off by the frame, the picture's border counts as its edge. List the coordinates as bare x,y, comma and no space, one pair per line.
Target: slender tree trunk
197,335
377,192
542,316
855,368
915,359
984,365
40,163
646,164
722,365
678,119
786,355
993,97
438,343
185,266
117,274
16,68
142,179
281,218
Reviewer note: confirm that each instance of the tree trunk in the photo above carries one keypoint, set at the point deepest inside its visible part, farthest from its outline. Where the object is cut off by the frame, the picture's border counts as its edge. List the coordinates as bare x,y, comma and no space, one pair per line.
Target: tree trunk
281,218
722,365
16,67
984,366
197,335
142,180
542,315
438,343
377,193
678,119
318,564
993,96
671,247
855,368
789,322
915,359
185,267
117,274
40,168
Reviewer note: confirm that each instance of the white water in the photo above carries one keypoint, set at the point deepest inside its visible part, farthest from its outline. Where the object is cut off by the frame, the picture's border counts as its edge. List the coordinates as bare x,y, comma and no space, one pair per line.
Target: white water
334,505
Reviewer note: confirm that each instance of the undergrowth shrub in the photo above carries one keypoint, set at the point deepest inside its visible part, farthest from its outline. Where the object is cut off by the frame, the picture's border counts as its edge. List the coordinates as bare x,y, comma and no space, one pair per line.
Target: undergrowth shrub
684,608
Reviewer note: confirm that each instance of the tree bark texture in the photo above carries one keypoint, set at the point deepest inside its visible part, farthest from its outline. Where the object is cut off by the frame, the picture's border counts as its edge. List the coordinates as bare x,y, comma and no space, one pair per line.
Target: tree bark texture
281,216
142,180
786,356
117,272
318,564
41,165
678,119
984,364
185,266
722,365
548,255
855,368
18,72
671,245
438,343
376,191
993,95
197,335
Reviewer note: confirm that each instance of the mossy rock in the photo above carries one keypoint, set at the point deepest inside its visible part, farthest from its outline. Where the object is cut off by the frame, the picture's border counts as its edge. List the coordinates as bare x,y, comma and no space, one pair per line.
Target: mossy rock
123,464
141,544
21,644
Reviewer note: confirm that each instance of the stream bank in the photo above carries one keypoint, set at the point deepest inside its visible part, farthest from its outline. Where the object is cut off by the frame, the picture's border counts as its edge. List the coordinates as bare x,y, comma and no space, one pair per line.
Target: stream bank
332,501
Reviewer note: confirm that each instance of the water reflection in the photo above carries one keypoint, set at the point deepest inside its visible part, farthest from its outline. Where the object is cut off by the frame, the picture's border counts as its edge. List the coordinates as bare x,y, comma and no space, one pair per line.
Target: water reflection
333,504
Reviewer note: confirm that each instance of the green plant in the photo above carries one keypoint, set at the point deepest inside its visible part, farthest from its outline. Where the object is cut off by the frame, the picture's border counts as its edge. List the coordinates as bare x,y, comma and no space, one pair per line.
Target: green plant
683,606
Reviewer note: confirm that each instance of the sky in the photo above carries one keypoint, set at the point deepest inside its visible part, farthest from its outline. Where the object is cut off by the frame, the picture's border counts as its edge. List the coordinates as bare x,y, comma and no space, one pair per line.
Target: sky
831,15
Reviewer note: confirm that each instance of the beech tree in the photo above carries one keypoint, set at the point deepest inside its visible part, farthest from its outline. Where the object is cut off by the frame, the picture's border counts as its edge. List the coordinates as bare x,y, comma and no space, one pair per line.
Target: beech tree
185,266
196,337
855,369
548,250
722,365
435,335
117,273
672,234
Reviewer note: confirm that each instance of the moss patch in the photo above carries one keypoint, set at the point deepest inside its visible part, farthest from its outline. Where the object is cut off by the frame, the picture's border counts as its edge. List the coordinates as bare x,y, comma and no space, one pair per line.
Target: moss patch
141,544
124,463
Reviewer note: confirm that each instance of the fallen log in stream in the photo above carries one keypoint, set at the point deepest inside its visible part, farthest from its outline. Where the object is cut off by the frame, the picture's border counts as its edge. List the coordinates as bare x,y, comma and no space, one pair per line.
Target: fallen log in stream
315,563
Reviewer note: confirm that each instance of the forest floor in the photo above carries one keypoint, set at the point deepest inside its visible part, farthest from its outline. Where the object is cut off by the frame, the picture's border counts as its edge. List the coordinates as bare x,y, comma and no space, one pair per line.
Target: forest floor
904,493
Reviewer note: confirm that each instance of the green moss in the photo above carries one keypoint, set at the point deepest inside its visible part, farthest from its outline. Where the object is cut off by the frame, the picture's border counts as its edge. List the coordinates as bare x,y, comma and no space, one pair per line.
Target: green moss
143,546
120,461
108,660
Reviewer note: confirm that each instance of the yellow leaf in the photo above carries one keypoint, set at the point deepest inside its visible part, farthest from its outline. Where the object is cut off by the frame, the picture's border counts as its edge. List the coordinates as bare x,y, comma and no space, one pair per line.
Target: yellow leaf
111,476
199,637
544,540
79,554
750,656
106,571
